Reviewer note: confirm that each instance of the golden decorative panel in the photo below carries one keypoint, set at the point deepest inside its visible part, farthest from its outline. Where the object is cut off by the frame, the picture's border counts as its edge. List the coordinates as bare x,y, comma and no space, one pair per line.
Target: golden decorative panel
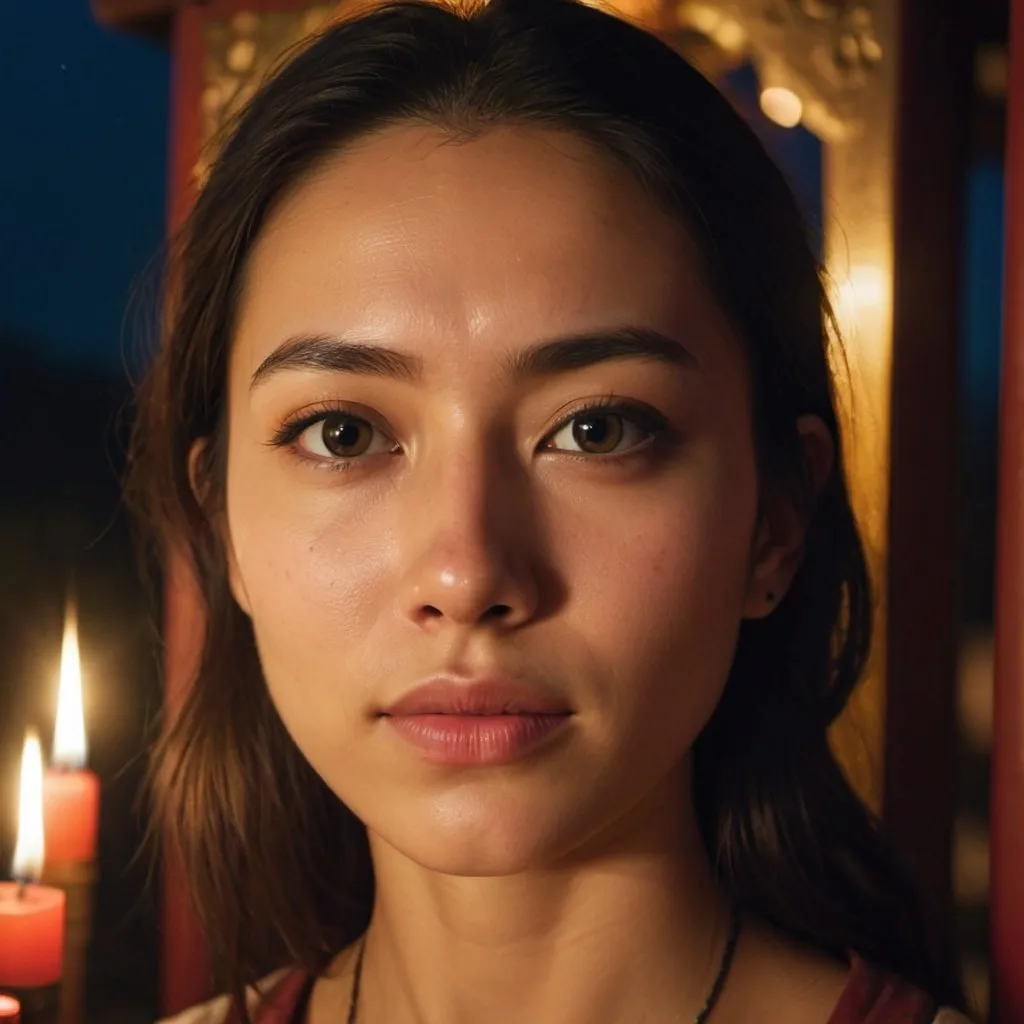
238,54
838,58
825,52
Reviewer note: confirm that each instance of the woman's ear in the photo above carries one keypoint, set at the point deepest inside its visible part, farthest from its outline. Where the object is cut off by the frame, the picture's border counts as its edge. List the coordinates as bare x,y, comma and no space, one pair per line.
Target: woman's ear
785,517
195,455
218,521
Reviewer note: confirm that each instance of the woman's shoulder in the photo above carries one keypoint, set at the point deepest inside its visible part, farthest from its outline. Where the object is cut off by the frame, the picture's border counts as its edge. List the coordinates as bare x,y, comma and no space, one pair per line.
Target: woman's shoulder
283,997
274,1000
790,983
874,996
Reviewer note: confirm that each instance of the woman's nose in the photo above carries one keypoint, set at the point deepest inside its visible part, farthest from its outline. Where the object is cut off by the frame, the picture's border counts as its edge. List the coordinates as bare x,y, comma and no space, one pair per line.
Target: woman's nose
469,548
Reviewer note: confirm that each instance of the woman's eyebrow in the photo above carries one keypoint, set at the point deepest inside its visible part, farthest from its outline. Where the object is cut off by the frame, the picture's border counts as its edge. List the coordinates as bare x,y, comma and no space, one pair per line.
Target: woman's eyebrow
575,351
547,358
337,355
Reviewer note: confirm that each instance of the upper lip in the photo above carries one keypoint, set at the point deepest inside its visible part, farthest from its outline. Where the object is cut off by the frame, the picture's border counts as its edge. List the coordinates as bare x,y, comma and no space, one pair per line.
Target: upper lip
492,696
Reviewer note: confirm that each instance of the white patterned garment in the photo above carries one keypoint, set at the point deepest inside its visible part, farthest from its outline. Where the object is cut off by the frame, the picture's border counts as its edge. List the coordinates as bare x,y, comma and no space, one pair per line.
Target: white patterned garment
216,1010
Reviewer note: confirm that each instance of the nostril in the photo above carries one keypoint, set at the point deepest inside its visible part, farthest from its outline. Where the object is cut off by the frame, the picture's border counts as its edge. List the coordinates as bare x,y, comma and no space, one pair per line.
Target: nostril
495,613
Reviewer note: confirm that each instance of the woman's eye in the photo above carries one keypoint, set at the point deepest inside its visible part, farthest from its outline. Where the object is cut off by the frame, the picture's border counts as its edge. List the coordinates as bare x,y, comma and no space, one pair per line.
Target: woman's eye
599,432
339,436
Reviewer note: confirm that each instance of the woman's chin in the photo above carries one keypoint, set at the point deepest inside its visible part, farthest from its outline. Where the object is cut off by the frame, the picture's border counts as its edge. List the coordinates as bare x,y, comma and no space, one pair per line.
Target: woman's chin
474,841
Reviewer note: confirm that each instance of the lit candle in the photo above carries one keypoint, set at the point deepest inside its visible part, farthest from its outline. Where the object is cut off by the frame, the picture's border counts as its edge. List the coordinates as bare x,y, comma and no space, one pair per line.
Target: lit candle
10,1010
71,792
31,916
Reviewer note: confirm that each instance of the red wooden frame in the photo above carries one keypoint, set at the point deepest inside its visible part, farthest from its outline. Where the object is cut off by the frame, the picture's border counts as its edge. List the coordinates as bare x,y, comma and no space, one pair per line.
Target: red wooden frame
185,972
187,89
934,69
1007,824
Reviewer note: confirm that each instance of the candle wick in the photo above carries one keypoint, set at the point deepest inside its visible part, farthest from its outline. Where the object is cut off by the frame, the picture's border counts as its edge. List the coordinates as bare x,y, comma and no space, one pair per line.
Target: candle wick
22,886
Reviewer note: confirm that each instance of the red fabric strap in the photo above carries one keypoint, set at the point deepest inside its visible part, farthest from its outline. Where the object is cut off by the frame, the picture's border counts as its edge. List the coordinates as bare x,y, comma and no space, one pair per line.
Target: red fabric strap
872,997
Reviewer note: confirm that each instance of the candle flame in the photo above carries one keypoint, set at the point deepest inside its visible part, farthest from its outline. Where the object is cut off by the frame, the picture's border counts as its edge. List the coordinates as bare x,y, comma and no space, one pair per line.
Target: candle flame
30,850
69,744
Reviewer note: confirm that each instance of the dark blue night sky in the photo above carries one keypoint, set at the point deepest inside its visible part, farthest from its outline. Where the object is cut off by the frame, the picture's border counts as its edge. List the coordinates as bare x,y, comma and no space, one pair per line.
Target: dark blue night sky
82,182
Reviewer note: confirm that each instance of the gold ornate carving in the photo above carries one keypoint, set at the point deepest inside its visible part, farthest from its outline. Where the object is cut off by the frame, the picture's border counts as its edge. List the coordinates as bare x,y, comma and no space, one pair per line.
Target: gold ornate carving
825,52
837,56
238,54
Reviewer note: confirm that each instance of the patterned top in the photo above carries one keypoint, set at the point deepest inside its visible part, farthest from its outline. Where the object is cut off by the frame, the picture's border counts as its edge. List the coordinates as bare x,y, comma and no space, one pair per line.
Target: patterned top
870,997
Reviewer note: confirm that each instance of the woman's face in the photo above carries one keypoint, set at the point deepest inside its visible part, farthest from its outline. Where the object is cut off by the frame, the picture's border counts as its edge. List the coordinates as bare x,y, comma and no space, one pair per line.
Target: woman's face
450,507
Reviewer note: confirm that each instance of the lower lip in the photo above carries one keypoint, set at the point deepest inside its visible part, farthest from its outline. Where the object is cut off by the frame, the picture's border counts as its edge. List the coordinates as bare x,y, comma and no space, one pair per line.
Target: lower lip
476,739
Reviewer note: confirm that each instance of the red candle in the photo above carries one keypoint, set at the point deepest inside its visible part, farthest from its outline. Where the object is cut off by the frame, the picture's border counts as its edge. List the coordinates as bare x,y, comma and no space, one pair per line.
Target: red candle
10,1010
71,794
31,935
31,916
72,801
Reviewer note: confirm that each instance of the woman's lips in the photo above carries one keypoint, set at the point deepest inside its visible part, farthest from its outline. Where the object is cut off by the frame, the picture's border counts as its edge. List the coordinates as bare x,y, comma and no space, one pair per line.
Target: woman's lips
445,695
490,720
461,739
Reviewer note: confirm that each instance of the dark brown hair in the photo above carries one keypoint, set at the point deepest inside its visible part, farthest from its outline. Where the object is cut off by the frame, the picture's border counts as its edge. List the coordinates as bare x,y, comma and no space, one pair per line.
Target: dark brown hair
279,867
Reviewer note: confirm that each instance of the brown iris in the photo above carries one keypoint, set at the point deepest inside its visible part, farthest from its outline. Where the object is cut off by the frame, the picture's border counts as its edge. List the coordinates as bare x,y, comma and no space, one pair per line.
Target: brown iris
598,433
346,437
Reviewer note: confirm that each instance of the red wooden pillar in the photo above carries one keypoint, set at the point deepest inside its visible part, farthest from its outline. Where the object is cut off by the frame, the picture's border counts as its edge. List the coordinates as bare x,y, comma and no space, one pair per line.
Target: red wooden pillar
184,965
185,977
1007,811
933,76
184,962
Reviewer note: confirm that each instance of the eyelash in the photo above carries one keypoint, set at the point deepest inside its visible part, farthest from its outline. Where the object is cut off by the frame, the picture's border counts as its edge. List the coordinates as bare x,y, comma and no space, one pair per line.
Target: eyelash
651,422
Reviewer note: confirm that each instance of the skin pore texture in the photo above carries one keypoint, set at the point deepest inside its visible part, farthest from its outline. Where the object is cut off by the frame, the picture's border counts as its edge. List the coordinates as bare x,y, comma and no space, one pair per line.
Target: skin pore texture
469,535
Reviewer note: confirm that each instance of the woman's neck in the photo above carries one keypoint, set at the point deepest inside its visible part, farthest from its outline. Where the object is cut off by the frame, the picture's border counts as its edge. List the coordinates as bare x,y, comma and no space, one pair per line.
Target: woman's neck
631,929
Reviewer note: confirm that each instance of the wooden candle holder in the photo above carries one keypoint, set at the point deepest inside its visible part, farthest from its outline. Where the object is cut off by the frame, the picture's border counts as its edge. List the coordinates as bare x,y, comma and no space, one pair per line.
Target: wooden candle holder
78,880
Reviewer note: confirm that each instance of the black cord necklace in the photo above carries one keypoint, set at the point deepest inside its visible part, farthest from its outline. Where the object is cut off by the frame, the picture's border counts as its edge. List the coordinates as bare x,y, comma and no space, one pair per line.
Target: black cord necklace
701,1018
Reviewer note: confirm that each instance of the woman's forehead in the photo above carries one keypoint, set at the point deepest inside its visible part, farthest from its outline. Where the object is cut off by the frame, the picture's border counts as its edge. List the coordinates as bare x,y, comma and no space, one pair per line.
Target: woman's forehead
409,235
